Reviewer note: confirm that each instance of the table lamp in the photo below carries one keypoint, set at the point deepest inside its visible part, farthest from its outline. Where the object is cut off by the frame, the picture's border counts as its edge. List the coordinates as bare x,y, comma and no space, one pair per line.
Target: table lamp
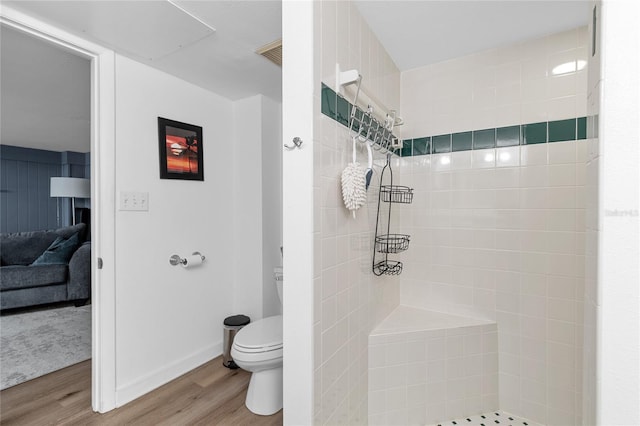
72,188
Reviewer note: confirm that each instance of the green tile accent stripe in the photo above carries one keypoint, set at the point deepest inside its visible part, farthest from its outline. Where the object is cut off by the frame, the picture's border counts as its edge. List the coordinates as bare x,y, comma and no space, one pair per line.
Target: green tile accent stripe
563,130
344,111
337,108
329,102
461,141
508,136
483,139
441,144
534,133
422,146
582,128
407,148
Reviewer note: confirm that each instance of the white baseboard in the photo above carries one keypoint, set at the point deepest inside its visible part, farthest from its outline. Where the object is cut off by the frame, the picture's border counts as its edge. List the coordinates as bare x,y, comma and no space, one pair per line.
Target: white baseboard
135,389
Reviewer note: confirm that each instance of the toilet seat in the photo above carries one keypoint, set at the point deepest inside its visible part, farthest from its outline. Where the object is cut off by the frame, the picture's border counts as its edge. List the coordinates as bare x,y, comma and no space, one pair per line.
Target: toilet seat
258,350
257,360
262,336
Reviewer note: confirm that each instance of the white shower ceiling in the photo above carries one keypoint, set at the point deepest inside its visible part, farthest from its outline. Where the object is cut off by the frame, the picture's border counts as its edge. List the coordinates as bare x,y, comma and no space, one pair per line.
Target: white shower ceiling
418,33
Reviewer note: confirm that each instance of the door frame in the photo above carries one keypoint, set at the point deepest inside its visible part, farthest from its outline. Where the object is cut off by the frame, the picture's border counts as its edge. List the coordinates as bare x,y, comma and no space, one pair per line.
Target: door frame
103,331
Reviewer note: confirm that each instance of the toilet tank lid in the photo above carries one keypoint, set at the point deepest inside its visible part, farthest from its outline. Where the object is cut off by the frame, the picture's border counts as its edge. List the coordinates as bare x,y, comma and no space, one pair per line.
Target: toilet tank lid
266,332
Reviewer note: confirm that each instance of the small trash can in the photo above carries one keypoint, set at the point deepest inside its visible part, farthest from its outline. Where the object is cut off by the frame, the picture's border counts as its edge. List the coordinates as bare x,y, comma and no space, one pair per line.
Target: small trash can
231,326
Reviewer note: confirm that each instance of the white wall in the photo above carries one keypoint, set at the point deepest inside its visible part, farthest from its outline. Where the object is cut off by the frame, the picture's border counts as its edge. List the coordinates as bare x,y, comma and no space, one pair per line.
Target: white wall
348,299
298,212
499,233
618,293
271,202
168,319
257,204
246,202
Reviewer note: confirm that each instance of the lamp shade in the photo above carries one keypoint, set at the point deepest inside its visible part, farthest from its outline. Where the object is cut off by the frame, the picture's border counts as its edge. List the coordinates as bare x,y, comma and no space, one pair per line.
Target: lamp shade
70,187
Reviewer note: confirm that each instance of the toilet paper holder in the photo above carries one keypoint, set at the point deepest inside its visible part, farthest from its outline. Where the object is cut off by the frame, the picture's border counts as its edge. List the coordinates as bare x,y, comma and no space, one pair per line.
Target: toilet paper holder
177,260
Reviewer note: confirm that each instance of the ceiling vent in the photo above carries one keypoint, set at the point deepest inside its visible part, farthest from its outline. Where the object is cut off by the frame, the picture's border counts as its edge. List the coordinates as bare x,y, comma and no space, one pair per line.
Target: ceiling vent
272,51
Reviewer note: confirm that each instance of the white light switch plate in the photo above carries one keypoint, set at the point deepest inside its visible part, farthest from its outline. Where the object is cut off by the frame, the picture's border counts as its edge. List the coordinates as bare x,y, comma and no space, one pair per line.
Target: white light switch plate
134,201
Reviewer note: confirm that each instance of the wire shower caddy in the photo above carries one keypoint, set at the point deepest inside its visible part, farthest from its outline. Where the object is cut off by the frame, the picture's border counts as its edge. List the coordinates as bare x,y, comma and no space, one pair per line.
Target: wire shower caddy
390,243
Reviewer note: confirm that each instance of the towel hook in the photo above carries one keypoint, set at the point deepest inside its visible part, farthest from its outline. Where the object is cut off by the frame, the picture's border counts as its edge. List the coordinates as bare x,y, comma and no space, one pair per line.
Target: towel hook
296,141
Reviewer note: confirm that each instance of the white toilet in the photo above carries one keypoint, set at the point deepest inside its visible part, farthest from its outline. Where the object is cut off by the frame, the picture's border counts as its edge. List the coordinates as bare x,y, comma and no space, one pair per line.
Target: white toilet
258,348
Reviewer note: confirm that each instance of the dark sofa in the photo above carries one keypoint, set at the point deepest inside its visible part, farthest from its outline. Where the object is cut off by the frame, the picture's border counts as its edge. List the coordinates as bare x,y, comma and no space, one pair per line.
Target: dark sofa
32,272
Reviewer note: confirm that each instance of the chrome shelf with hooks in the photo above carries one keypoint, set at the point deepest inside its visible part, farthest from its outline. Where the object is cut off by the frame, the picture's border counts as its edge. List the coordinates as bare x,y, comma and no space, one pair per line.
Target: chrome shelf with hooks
362,123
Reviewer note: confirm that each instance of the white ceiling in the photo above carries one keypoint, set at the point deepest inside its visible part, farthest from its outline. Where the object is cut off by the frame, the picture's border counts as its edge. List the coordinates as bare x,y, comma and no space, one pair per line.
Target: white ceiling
212,45
46,98
164,36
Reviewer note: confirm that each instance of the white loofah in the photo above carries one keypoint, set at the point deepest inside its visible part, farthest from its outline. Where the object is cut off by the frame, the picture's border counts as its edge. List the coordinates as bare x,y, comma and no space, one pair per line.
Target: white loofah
354,182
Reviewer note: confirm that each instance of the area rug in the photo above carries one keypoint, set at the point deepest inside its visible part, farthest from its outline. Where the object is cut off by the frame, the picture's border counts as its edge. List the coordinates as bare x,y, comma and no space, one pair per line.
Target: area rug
36,343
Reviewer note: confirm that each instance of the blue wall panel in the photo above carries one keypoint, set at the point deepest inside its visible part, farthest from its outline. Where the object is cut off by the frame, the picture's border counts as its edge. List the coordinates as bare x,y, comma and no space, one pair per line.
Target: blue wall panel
25,174
10,208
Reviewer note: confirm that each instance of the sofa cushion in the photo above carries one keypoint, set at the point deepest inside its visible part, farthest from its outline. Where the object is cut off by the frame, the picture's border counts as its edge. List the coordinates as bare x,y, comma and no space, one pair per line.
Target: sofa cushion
22,248
19,276
60,251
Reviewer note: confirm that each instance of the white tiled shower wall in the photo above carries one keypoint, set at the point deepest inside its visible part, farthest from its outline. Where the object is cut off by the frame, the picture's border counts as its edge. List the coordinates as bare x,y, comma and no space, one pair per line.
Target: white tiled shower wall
500,234
506,243
500,87
348,299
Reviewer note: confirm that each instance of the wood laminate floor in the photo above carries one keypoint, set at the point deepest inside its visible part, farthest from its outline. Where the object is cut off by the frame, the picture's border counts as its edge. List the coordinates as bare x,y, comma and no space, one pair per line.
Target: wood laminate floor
209,395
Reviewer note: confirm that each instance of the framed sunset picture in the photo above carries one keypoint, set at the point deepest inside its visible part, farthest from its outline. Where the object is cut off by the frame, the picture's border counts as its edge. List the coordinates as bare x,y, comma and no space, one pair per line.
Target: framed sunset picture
180,150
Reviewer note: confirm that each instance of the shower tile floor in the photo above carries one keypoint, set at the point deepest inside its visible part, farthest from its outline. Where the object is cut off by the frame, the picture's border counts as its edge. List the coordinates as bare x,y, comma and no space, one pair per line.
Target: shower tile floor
494,418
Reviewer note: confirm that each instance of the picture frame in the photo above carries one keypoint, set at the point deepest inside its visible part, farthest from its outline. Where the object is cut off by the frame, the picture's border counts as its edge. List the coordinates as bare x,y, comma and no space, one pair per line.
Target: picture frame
180,147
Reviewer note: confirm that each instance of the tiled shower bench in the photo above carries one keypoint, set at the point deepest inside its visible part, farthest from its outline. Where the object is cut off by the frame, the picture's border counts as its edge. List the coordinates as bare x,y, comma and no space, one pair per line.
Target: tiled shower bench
426,367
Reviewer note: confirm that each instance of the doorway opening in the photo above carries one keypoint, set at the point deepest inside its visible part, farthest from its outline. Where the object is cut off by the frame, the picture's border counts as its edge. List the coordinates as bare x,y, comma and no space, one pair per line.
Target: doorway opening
102,176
